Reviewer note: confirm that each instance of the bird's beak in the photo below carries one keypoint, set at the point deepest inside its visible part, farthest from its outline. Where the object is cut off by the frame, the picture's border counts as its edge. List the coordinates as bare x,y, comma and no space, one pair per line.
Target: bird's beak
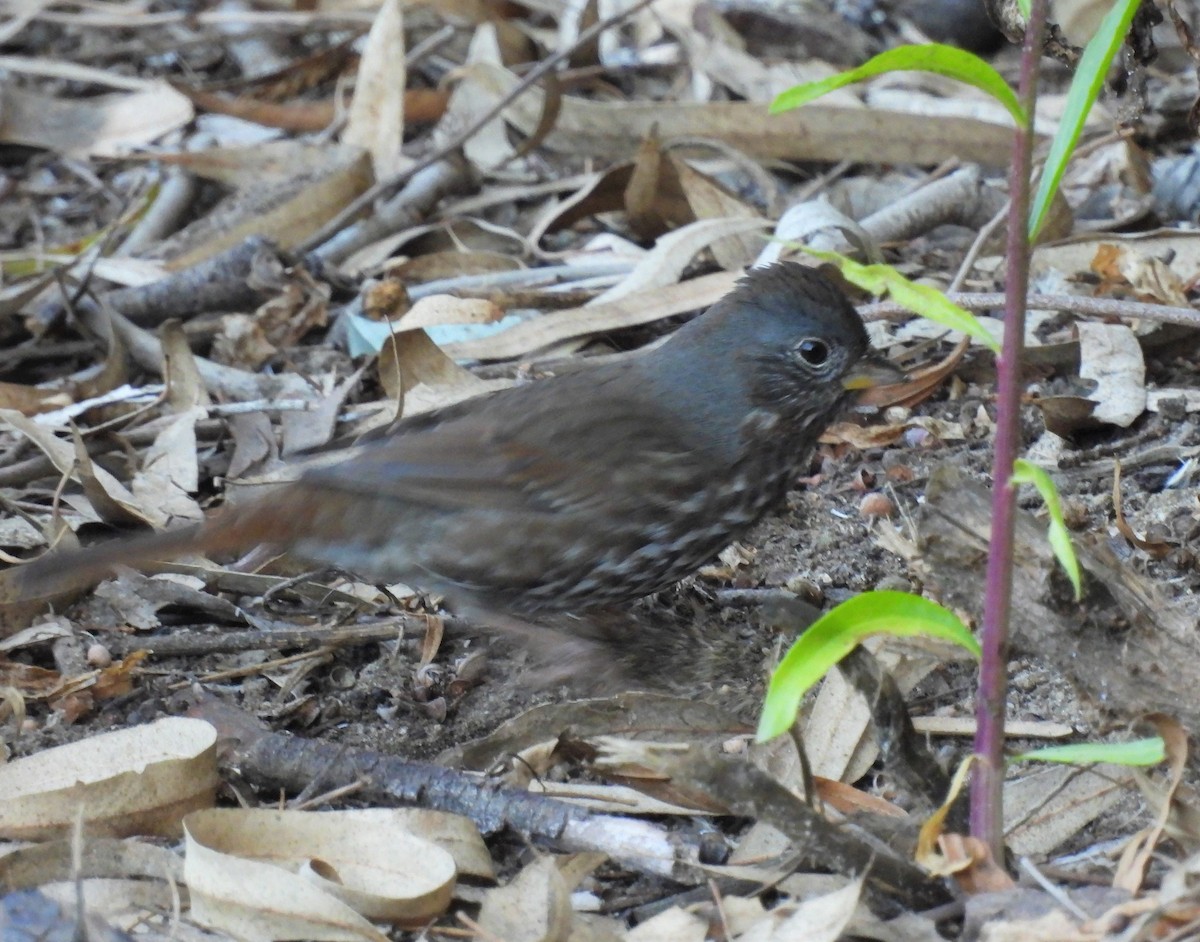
872,371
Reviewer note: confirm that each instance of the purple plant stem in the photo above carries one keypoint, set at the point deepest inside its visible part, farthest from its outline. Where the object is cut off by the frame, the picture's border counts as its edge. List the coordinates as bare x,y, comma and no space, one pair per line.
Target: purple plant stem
987,820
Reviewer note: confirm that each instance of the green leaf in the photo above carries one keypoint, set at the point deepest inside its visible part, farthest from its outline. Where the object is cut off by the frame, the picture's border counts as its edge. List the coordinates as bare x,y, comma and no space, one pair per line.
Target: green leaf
836,633
1085,88
1024,7
931,57
1139,752
922,299
1059,537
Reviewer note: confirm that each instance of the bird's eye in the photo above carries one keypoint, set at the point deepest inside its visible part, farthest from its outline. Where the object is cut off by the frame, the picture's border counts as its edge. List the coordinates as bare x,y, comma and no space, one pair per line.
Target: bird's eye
813,352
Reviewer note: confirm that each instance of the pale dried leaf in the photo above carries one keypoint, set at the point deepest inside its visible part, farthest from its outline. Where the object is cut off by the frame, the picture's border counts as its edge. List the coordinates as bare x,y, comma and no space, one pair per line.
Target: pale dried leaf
286,210
534,907
821,919
100,126
116,500
376,119
672,253
476,93
1051,805
141,780
314,873
672,925
1110,355
170,472
558,326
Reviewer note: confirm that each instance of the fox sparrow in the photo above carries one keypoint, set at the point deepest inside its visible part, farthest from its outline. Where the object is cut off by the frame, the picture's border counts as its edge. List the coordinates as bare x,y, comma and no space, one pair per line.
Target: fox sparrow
588,489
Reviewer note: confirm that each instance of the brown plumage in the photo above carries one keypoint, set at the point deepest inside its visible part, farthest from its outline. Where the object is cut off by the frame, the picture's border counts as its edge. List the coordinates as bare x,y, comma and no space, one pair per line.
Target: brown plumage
584,490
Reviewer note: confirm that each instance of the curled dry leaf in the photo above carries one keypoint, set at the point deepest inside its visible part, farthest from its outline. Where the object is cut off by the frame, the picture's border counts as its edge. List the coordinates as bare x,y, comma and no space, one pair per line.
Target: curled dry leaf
1131,871
1156,548
1123,267
672,253
919,385
294,874
134,781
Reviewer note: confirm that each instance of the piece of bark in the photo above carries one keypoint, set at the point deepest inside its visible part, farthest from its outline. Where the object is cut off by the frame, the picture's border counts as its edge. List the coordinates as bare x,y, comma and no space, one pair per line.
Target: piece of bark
1125,646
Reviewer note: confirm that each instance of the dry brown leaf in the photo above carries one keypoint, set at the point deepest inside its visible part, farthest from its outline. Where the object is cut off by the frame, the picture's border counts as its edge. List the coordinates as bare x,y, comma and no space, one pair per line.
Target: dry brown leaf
376,119
534,907
141,780
665,264
1110,355
31,400
286,193
410,359
475,94
421,106
170,472
102,126
110,499
850,800
1158,549
1048,806
1131,870
862,437
1152,279
920,384
819,919
1077,256
1066,415
29,680
438,309
975,870
298,874
559,326
113,374
654,200
708,199
671,925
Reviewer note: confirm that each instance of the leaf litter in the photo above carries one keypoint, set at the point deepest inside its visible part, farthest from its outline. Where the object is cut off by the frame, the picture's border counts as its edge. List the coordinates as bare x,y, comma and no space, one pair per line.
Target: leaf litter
644,171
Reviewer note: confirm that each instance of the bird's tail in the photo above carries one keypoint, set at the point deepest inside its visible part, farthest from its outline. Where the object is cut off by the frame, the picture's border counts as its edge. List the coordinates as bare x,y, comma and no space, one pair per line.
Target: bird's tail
57,573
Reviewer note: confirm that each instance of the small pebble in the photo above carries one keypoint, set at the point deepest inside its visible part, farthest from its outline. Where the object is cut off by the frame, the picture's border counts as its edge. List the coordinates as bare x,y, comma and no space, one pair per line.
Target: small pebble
876,505
806,589
1075,513
916,437
435,709
99,656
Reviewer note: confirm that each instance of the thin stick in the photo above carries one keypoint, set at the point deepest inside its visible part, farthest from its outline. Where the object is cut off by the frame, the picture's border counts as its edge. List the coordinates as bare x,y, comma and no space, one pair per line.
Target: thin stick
1075,304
